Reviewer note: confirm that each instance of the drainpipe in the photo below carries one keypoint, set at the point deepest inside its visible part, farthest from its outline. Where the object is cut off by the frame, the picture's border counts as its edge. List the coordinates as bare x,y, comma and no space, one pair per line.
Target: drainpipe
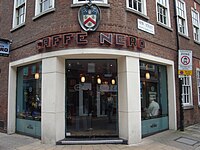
180,80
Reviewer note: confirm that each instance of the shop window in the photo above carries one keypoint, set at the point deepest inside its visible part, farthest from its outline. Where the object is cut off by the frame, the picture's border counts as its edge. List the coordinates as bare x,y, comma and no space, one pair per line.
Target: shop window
187,91
182,17
137,5
153,91
93,1
92,97
163,12
19,13
198,85
29,99
195,23
43,6
154,99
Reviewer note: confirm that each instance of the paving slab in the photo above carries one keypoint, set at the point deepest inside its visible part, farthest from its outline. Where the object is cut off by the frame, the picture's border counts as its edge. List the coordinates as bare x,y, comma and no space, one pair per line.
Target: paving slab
189,139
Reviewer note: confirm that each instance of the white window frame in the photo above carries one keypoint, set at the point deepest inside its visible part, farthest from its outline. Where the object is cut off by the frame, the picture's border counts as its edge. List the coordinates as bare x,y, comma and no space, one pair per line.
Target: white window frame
187,91
38,10
196,25
166,7
198,84
182,17
143,7
93,1
15,13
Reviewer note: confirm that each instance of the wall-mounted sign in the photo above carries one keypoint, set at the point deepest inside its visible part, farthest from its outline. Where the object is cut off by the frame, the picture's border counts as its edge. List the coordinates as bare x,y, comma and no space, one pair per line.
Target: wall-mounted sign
4,47
145,26
185,62
89,17
80,38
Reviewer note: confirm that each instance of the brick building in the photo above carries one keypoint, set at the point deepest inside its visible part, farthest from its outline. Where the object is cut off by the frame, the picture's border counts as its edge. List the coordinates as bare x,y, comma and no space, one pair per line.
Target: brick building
104,70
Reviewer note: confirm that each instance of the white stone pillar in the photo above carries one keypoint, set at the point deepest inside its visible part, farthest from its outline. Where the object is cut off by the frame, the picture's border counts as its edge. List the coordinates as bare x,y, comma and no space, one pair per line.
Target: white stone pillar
172,97
129,99
53,100
11,125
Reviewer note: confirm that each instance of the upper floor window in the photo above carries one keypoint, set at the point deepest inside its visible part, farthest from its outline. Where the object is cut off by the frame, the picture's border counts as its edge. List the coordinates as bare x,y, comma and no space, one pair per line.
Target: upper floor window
187,91
163,14
137,5
19,12
182,18
198,85
195,23
86,1
43,6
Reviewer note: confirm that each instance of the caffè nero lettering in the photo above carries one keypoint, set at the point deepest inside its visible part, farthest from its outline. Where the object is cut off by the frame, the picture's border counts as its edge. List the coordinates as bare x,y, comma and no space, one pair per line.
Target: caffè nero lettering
63,40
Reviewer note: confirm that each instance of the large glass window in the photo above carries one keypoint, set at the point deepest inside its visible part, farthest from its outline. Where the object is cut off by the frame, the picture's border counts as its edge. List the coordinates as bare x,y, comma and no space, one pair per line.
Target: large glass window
29,99
91,98
154,101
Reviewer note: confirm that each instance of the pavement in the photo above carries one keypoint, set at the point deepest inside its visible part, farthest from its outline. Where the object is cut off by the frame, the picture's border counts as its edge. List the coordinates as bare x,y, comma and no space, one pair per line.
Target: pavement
189,139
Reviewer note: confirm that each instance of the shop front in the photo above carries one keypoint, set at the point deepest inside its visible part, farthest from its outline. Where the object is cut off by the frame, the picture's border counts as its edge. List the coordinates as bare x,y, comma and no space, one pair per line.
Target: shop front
90,93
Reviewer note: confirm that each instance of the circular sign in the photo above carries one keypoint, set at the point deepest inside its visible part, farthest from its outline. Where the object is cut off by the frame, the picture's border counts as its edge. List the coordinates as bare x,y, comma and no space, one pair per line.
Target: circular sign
185,60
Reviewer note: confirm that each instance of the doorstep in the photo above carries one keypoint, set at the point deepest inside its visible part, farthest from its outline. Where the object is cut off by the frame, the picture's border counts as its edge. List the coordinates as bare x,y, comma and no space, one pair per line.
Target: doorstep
84,141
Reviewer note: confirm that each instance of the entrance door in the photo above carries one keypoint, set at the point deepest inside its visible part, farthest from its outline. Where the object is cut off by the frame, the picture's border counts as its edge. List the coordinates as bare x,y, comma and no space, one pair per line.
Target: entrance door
91,98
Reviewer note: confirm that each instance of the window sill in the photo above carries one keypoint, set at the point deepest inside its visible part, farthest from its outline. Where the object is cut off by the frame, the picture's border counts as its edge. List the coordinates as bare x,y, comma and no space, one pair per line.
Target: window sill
185,36
138,13
43,13
17,27
98,4
187,107
165,26
197,42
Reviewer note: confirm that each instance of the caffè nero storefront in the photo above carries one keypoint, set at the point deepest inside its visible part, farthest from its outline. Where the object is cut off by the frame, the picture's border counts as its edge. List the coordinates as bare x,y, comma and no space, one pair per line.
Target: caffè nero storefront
112,93
91,93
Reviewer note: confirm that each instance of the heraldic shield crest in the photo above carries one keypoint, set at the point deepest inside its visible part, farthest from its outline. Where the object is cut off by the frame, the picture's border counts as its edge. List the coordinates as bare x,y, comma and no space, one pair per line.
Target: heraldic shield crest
89,17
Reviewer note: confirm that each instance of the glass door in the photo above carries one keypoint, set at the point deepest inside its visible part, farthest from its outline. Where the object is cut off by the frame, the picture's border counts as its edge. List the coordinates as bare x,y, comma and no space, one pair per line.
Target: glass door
91,98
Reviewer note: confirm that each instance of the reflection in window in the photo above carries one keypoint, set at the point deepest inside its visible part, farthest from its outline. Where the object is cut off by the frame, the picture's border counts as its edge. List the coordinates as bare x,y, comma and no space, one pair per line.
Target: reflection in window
154,102
29,92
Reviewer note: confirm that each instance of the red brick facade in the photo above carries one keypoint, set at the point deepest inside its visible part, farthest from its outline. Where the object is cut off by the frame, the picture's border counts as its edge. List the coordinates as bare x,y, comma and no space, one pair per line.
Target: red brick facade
115,18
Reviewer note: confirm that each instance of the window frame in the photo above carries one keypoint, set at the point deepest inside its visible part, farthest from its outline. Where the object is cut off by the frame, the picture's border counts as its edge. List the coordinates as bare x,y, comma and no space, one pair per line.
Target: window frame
143,7
182,17
167,11
86,1
17,8
38,10
198,85
195,26
188,88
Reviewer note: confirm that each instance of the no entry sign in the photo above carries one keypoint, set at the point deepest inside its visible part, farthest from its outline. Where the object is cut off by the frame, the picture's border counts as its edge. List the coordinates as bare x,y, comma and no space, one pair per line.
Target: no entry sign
185,62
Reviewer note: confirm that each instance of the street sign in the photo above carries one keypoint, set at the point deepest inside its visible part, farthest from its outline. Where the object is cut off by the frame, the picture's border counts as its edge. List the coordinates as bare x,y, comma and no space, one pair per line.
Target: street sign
4,47
185,62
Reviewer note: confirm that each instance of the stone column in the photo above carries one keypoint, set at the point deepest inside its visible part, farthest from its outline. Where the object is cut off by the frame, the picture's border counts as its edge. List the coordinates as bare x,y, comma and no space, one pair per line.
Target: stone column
53,100
129,99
